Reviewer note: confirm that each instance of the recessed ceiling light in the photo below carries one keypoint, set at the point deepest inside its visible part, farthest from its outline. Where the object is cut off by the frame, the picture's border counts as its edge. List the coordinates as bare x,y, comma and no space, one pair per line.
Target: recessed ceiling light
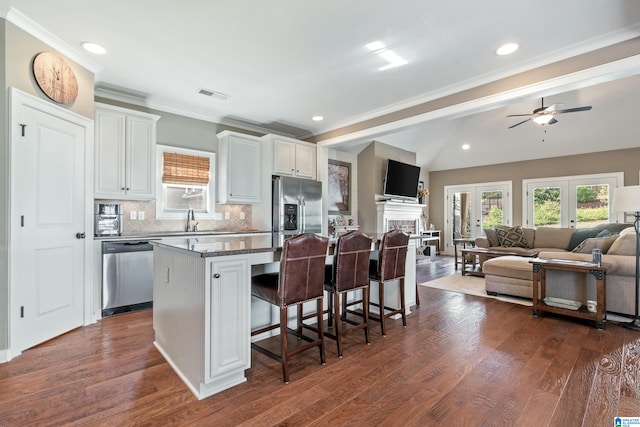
94,48
507,49
466,146
317,118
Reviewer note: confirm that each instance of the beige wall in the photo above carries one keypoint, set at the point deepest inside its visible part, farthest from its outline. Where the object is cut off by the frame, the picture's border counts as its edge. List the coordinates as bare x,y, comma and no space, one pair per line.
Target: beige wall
20,49
627,161
372,163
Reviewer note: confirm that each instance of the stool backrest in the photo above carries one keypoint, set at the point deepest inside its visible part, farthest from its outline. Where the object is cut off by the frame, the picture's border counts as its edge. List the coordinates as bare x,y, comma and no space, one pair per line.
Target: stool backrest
393,254
302,268
351,261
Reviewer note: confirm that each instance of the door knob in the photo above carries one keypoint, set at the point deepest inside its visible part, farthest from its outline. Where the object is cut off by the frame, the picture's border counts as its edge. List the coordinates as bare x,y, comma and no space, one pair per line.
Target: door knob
80,235
216,276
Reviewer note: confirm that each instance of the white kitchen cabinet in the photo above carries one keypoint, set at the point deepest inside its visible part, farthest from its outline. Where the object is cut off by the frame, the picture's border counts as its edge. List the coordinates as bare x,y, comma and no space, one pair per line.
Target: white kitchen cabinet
239,168
202,317
125,144
293,158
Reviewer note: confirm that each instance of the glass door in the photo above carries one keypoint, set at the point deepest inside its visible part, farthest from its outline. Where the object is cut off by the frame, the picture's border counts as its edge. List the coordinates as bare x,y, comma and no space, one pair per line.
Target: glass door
471,208
576,202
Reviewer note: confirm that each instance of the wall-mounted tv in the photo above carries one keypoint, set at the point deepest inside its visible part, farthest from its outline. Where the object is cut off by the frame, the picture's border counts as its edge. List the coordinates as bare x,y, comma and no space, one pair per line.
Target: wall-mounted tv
401,180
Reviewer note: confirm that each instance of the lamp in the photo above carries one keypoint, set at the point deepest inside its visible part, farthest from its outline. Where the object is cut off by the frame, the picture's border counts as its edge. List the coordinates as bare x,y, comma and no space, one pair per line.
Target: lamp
627,199
543,119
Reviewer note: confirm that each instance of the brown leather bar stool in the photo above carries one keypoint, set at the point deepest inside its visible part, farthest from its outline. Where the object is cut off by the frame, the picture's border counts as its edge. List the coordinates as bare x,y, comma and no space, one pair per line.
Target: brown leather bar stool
300,280
349,272
389,266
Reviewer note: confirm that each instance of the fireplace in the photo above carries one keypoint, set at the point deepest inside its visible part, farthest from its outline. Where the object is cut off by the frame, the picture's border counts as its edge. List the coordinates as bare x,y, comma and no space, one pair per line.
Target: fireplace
402,216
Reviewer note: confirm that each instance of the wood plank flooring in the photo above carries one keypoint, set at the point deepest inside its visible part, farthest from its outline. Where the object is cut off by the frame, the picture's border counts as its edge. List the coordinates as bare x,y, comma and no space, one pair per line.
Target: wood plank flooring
462,360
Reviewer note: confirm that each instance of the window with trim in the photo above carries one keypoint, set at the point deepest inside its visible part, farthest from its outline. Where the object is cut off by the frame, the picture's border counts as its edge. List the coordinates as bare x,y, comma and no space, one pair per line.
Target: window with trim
185,181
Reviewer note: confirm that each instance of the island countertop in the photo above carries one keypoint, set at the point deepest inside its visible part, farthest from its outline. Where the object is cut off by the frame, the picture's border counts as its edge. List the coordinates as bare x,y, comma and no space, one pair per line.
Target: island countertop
222,245
234,244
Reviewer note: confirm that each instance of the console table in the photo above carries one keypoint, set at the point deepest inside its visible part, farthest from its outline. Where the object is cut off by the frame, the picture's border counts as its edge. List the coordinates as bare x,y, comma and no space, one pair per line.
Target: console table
540,267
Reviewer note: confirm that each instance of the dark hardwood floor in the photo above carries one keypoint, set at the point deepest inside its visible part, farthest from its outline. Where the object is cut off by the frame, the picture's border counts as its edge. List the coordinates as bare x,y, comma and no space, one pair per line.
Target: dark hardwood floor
462,361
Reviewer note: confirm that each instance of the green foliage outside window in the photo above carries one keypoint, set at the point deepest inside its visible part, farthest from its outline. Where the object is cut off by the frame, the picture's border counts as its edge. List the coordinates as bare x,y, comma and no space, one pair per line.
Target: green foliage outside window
493,218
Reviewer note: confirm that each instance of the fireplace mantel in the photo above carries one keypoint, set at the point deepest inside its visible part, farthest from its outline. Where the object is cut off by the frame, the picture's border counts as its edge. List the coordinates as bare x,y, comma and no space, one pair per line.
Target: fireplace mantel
404,216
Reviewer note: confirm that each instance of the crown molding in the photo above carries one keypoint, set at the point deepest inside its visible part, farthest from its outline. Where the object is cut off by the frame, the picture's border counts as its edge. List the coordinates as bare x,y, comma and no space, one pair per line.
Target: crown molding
25,23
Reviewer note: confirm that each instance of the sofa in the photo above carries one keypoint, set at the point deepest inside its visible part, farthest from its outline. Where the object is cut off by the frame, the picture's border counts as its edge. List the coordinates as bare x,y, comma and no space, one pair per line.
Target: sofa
512,275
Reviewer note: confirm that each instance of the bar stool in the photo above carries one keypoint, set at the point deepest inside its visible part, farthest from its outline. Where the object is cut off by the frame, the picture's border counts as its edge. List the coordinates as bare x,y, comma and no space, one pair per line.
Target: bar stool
389,266
349,272
300,280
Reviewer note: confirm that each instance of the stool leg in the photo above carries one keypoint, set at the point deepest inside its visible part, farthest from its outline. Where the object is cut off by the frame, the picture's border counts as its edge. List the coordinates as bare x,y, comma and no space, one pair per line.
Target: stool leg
381,301
330,311
320,313
283,344
299,320
336,296
402,306
365,312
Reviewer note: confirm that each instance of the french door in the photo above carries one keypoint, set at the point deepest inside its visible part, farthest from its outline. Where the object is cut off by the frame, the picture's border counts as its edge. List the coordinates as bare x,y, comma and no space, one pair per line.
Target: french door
471,208
577,202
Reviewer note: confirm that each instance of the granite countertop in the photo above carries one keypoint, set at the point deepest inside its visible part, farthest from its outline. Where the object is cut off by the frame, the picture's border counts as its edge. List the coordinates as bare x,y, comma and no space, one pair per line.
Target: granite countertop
221,245
233,243
171,234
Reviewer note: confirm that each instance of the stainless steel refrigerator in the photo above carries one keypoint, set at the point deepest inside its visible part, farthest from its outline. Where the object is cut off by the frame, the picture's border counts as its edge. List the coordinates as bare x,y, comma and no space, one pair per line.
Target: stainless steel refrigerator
297,206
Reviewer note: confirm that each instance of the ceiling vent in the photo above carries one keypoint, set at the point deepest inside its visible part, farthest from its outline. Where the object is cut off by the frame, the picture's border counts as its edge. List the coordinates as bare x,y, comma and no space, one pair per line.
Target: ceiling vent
213,93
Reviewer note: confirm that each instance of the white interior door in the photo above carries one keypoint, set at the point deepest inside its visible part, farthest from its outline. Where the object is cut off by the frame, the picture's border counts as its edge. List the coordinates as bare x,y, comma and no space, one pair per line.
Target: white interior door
48,182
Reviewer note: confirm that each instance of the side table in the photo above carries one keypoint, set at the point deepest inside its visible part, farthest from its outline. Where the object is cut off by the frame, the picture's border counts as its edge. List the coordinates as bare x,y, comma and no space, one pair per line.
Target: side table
540,267
464,241
475,268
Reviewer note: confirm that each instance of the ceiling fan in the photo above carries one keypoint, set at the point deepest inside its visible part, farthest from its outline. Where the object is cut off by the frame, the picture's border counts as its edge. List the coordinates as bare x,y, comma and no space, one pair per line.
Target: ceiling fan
545,115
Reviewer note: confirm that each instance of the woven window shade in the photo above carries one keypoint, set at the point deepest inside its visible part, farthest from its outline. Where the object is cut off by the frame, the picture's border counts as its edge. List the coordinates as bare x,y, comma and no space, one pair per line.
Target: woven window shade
183,169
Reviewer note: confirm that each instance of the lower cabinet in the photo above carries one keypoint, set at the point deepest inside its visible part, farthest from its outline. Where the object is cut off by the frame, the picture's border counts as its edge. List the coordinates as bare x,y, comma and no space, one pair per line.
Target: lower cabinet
201,317
227,313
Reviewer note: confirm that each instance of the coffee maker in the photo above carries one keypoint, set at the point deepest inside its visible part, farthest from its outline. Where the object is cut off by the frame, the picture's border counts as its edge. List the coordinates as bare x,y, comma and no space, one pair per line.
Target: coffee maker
107,219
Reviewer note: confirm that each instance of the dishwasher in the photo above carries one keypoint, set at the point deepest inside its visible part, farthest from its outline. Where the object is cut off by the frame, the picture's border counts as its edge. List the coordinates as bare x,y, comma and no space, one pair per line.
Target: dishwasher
127,276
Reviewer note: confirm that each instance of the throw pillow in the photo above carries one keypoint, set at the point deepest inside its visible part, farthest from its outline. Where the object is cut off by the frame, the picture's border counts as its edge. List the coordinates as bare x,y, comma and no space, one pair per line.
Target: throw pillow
581,235
511,237
492,237
603,243
625,244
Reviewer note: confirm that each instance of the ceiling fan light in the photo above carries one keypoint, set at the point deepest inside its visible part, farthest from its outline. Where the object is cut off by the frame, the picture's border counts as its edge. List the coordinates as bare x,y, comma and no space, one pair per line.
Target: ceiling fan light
543,119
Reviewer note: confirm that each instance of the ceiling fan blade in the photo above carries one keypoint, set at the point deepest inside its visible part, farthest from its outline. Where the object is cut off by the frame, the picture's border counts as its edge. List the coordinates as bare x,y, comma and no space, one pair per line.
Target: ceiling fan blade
552,121
552,107
518,115
573,110
517,124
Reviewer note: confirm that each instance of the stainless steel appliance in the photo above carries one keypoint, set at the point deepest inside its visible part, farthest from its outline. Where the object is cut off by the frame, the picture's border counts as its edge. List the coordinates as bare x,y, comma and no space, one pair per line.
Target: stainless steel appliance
297,206
127,276
107,219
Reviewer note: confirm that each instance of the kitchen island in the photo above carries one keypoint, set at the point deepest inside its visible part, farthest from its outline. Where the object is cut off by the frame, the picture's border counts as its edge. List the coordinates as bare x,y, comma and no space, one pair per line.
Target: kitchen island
203,311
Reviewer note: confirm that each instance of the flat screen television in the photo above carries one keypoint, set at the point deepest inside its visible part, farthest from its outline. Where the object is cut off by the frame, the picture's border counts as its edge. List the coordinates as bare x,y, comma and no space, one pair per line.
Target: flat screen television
401,180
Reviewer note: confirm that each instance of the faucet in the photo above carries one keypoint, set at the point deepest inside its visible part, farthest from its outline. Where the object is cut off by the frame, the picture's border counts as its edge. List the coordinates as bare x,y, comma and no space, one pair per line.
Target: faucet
190,217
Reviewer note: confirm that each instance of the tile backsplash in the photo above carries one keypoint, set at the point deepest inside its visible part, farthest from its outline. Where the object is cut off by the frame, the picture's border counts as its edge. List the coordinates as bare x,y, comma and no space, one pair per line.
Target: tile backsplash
150,224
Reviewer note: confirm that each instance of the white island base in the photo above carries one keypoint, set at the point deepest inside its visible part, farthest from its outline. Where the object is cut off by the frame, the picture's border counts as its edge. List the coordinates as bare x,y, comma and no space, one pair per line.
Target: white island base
202,311
202,316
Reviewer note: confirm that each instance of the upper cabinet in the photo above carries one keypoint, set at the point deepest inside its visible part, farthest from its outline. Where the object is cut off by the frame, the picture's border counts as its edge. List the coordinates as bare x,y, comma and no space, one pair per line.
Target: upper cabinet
239,168
293,158
125,143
